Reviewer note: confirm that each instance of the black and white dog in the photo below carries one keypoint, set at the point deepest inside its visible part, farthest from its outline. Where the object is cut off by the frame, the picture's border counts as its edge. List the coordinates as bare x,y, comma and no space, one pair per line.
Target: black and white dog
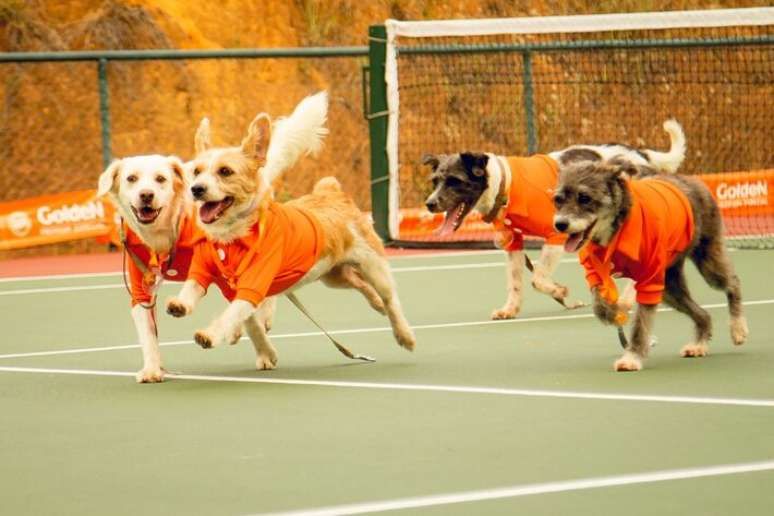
516,195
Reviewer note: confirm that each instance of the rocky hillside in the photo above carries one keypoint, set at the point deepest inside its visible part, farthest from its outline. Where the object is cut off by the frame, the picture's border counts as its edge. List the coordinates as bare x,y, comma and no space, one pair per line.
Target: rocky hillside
49,117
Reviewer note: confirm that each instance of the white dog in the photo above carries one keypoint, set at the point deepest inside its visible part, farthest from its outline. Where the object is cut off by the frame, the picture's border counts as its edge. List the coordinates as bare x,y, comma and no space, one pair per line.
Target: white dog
160,229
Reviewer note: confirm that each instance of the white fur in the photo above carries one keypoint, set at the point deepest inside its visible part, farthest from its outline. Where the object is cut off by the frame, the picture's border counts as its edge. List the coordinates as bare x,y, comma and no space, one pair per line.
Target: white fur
668,161
513,270
301,133
151,371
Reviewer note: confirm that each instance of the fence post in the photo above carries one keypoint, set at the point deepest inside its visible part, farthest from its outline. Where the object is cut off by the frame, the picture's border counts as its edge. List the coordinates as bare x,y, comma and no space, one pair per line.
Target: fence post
104,111
377,129
529,103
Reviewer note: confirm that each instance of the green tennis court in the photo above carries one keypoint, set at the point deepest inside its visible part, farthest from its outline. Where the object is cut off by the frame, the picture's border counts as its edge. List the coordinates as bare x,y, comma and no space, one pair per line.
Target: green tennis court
514,417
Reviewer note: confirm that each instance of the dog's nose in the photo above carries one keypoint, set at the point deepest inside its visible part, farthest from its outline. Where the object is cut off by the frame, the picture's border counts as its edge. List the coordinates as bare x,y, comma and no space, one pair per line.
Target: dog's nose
561,225
146,196
198,191
432,205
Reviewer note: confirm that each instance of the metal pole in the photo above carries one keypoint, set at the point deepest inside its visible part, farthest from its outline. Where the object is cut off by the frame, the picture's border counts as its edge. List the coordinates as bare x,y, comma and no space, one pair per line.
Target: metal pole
377,128
529,103
104,111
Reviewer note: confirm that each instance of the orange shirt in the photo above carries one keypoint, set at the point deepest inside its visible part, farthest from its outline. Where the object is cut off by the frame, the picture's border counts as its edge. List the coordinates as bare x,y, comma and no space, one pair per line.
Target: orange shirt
530,208
188,236
659,227
277,253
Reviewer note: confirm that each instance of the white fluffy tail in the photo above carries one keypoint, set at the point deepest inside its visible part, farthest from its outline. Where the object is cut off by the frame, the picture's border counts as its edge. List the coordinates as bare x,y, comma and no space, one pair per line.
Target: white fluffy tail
299,134
670,161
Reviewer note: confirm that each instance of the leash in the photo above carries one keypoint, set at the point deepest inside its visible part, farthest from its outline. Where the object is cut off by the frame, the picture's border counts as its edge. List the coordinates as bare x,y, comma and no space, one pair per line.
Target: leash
343,349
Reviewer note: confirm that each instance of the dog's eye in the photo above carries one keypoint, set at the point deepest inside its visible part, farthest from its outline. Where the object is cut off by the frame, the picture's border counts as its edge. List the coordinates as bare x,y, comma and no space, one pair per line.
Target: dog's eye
196,171
225,171
131,179
558,200
160,179
583,198
453,181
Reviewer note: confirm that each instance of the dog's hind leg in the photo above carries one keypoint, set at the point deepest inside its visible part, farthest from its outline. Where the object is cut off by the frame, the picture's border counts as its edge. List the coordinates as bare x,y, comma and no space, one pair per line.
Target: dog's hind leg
542,281
346,276
376,271
677,295
639,342
714,264
266,354
514,269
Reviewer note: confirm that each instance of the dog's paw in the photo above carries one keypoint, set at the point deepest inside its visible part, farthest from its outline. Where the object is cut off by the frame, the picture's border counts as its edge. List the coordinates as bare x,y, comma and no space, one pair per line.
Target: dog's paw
204,339
266,362
506,312
739,330
177,308
695,350
628,362
406,339
150,375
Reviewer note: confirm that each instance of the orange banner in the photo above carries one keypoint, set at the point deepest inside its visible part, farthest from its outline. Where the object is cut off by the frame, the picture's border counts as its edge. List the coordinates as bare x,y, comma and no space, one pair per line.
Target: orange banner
55,218
741,194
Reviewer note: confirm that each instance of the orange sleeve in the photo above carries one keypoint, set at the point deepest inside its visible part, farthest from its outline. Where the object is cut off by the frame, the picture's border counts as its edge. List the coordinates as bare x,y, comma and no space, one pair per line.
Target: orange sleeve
201,270
254,283
650,289
139,294
592,277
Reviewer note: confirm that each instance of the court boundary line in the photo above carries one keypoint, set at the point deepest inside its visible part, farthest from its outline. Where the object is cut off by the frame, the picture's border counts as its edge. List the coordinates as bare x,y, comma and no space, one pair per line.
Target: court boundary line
352,331
498,391
532,489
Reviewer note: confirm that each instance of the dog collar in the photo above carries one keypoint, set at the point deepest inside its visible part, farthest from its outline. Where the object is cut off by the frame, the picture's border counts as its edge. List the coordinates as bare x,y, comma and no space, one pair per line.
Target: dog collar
502,192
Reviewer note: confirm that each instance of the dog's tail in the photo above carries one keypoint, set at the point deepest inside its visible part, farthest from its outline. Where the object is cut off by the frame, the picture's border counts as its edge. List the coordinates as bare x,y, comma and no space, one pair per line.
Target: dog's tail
327,184
670,161
299,134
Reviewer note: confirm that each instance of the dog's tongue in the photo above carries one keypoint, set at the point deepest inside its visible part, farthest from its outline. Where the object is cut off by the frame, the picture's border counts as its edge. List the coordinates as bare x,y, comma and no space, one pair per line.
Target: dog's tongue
210,211
573,242
146,214
447,228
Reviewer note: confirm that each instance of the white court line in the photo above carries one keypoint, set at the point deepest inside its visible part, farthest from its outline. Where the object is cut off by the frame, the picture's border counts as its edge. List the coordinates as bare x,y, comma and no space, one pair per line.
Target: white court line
419,268
532,489
499,391
12,279
352,331
427,268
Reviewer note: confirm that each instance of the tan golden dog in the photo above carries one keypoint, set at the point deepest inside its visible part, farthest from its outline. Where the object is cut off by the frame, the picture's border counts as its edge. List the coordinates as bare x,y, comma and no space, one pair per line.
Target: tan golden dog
263,248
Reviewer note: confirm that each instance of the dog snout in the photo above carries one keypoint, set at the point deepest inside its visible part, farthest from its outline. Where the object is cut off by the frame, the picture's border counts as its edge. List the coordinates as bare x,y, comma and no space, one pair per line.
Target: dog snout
198,191
146,196
432,205
561,224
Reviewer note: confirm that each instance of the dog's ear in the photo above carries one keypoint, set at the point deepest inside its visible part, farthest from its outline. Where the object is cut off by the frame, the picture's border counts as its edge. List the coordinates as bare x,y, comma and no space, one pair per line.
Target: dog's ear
256,143
474,163
622,167
178,169
202,140
107,180
431,159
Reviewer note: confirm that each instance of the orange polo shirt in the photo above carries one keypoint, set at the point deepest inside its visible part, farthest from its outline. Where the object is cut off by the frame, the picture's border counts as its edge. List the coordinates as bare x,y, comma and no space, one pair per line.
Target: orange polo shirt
530,208
277,253
188,236
659,227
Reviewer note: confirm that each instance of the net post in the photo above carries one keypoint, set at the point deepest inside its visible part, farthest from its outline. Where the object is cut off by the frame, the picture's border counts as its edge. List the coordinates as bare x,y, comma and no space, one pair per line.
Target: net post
529,102
377,129
104,111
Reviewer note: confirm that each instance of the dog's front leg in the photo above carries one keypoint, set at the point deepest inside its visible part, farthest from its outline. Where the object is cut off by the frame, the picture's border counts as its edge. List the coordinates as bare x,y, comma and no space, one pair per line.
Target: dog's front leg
639,342
513,269
605,311
186,300
228,327
145,324
542,281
